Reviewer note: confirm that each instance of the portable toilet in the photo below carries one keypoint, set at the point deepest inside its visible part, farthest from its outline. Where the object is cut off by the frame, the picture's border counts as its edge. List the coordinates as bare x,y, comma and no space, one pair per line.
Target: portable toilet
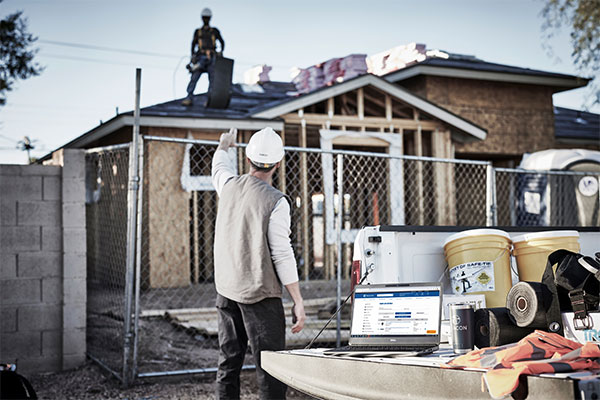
546,199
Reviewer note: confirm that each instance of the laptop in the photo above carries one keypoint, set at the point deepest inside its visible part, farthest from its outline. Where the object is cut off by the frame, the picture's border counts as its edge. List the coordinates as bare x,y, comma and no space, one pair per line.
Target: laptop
403,317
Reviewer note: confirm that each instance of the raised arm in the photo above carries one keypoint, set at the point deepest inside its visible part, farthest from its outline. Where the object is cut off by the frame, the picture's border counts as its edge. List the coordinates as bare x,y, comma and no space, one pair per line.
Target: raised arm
222,170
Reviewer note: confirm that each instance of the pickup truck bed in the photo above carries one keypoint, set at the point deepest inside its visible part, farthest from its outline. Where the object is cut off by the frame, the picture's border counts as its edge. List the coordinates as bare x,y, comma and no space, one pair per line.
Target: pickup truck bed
335,377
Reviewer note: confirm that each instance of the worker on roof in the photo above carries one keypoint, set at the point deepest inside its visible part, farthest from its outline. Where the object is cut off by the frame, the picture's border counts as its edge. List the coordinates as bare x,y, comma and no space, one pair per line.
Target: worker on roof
204,51
253,259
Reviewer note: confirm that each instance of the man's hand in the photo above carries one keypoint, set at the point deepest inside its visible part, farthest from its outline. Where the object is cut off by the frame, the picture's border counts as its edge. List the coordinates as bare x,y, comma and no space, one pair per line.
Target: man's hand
227,140
298,317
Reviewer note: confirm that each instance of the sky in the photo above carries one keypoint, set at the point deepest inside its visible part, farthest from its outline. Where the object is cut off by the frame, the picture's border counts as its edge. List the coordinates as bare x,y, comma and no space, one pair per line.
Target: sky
91,48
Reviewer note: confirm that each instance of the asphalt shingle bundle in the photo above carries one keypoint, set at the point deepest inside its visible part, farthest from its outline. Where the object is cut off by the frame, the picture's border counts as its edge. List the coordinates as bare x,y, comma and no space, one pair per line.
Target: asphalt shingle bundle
330,72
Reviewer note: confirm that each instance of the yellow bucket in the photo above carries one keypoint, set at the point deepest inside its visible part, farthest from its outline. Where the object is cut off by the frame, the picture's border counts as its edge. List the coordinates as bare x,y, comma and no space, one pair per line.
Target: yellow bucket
479,262
531,251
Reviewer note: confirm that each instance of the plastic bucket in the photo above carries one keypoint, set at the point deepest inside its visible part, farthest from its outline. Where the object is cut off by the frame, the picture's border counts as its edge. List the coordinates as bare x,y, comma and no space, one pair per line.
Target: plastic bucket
479,262
531,251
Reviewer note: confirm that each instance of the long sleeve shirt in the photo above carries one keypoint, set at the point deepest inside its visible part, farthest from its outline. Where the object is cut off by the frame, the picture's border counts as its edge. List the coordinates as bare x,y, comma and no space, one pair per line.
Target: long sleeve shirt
278,233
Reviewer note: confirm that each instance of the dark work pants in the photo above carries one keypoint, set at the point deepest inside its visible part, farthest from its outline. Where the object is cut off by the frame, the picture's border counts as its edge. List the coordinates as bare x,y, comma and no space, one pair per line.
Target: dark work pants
206,65
262,325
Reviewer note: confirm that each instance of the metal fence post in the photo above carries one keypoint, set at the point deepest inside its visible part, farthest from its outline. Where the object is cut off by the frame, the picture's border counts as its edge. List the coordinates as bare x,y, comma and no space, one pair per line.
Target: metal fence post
490,196
340,185
138,259
133,187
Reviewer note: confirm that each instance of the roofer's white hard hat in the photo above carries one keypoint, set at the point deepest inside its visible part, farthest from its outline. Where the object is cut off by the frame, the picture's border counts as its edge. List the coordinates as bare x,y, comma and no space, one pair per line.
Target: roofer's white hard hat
265,148
206,13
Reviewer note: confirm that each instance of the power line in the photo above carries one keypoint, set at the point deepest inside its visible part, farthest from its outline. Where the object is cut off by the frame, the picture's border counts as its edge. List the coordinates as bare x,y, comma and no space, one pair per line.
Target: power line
9,139
19,106
129,51
100,61
63,57
105,48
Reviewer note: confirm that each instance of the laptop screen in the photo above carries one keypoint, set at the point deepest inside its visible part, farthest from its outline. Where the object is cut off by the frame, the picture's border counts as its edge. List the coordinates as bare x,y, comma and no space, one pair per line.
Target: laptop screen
401,314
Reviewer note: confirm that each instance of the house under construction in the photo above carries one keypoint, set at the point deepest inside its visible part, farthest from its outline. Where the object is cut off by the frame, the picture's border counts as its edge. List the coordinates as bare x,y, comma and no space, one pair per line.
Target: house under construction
443,108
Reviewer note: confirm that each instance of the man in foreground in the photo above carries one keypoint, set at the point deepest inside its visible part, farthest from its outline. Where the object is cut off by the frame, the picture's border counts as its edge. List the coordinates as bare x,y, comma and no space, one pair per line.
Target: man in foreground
253,259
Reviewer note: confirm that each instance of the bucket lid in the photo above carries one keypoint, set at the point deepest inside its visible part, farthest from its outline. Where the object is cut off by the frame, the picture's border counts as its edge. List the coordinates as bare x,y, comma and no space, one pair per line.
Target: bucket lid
544,235
476,232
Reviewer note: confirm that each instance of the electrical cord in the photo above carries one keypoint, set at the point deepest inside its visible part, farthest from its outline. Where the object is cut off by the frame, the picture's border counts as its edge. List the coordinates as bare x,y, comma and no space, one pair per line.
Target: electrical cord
370,268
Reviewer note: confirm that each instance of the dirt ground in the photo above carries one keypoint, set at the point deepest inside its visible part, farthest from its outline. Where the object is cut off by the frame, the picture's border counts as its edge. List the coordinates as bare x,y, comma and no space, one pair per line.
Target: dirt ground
162,347
92,382
166,346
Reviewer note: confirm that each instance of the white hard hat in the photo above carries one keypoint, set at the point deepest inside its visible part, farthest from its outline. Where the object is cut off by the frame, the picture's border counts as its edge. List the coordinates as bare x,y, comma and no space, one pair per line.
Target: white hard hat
206,13
265,148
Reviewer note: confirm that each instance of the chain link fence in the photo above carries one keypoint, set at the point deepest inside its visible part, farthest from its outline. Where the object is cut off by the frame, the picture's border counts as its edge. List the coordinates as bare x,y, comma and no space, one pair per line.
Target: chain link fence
552,198
106,220
175,321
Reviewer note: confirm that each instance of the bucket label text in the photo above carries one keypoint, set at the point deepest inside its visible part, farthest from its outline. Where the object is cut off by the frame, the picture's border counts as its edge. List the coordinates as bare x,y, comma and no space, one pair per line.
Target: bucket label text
475,276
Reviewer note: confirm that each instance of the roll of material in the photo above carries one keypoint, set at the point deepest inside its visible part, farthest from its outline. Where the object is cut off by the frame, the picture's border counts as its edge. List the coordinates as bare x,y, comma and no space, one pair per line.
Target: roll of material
219,89
494,327
527,303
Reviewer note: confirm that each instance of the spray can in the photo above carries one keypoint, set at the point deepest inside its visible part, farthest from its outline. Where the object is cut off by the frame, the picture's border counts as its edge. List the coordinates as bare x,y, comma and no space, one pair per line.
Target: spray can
462,325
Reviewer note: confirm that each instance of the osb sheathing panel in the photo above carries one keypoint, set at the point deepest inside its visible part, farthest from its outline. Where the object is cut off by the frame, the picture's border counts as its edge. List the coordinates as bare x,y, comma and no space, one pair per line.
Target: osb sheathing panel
519,118
416,85
168,219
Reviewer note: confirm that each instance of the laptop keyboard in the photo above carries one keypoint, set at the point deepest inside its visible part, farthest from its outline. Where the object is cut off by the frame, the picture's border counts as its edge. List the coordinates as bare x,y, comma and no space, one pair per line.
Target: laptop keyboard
384,348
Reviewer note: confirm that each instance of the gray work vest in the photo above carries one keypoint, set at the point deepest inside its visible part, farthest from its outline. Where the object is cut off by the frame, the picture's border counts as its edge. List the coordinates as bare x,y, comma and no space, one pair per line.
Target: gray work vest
244,271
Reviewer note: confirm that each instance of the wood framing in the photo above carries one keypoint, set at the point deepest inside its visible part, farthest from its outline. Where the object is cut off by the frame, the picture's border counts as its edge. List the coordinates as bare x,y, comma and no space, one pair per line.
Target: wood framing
468,130
304,195
354,121
445,196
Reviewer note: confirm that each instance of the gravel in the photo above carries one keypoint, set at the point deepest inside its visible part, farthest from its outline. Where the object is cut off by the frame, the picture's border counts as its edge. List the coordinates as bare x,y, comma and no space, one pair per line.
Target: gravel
92,382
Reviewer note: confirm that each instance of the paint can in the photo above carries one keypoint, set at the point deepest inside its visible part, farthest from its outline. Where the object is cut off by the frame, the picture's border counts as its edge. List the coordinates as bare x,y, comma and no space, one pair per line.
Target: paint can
479,262
531,251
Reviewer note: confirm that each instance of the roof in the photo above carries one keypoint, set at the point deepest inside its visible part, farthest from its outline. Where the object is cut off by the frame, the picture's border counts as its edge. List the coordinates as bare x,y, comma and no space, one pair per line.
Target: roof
473,68
251,107
576,125
245,100
174,114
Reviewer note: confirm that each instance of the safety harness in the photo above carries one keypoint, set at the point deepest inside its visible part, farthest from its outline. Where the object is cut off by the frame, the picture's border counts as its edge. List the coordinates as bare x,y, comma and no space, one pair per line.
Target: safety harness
577,282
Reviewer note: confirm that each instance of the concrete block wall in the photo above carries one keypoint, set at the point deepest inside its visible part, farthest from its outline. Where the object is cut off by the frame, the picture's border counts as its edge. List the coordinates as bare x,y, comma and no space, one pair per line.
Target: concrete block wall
42,265
74,258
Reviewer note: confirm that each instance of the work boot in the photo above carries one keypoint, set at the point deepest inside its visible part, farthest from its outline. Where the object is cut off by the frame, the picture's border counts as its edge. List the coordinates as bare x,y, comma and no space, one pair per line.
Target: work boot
187,101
